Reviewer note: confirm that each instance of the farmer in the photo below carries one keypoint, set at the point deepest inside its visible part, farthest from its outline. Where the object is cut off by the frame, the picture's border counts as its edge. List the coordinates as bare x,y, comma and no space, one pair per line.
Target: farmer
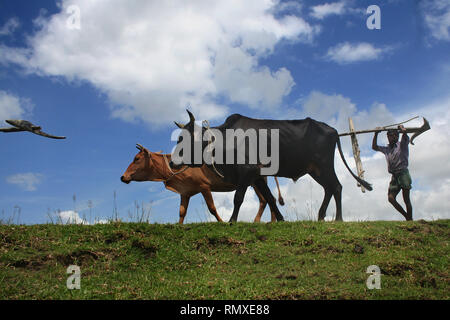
397,159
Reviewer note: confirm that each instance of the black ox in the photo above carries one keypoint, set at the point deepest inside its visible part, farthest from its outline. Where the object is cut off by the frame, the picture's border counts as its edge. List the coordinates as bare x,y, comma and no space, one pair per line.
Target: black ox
306,146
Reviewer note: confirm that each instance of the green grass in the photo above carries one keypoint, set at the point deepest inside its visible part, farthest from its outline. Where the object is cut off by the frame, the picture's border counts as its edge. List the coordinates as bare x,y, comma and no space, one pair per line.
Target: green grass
289,260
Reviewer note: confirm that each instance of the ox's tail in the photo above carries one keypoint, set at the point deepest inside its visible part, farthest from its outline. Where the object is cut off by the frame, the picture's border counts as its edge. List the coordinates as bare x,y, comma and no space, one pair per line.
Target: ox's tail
366,185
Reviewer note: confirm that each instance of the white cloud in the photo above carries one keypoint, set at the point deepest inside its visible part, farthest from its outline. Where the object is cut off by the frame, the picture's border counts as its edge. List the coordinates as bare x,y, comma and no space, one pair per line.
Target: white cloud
345,53
73,217
12,106
250,84
436,15
429,158
249,208
26,181
286,6
335,109
151,59
9,27
324,10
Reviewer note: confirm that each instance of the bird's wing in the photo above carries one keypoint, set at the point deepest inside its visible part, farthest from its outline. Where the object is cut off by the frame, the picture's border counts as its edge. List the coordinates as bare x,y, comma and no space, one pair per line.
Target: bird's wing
41,133
11,129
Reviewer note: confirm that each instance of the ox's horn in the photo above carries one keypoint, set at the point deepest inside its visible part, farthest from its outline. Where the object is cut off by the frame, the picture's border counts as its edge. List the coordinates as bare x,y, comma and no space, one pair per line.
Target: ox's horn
179,125
191,116
139,147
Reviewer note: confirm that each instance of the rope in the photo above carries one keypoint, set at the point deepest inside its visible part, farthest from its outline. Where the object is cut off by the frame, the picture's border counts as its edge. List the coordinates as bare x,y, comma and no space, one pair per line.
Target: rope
170,169
210,148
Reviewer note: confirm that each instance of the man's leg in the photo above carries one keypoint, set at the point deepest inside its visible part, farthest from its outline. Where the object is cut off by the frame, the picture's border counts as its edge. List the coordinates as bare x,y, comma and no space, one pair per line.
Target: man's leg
392,195
407,200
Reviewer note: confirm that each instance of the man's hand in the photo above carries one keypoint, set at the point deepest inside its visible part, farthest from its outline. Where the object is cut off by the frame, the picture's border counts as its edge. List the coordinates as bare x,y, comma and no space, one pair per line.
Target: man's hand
378,128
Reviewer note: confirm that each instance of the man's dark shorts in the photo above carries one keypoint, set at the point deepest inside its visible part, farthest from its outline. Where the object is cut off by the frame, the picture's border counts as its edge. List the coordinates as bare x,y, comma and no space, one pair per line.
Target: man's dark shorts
400,180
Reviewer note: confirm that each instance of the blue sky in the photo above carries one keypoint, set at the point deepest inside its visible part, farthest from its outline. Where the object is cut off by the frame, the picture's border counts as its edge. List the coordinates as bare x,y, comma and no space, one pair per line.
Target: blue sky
133,67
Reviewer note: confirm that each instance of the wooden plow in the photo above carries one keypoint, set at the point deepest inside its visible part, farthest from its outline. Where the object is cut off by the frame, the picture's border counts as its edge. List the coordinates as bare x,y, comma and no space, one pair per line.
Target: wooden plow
356,151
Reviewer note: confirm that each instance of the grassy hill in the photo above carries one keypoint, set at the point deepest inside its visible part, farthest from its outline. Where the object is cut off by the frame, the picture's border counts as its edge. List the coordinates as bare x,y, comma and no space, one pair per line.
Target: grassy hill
289,260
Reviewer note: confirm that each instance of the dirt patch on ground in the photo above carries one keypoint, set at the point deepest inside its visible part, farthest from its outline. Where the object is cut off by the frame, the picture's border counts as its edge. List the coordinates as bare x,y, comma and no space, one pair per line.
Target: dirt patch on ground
262,238
117,236
78,257
331,231
28,263
426,227
307,242
289,276
319,248
382,241
428,282
6,239
218,242
145,246
359,249
396,269
410,228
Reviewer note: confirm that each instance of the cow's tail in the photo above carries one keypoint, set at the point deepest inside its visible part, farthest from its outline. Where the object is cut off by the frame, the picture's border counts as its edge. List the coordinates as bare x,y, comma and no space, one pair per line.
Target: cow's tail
365,184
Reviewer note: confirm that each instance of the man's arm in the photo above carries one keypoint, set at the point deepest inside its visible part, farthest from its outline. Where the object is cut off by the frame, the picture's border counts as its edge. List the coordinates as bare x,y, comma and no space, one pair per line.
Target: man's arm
405,137
374,142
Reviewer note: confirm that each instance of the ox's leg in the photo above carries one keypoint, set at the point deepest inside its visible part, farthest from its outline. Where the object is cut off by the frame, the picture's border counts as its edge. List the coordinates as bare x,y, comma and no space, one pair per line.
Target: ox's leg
183,207
238,199
265,191
324,206
210,203
330,183
262,206
338,198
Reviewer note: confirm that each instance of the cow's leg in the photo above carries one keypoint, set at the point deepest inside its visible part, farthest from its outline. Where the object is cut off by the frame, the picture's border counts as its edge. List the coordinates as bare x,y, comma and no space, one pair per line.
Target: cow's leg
330,183
210,203
338,198
238,199
183,207
262,206
265,191
325,202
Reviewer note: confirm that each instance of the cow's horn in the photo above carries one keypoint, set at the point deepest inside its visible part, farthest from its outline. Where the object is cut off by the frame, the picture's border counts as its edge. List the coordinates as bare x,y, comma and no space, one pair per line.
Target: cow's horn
139,147
179,125
191,116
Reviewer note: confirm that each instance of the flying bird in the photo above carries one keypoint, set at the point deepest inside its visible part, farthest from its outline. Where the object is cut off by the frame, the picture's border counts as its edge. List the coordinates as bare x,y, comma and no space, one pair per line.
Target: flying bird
23,125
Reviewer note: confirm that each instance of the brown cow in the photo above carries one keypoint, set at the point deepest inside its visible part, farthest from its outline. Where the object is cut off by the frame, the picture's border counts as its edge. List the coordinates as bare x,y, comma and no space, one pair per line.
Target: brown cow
153,166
